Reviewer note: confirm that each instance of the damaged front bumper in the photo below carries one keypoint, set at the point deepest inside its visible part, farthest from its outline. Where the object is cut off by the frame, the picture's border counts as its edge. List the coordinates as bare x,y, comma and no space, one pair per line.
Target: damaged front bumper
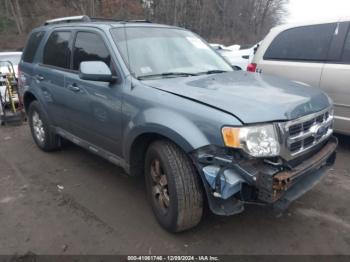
231,181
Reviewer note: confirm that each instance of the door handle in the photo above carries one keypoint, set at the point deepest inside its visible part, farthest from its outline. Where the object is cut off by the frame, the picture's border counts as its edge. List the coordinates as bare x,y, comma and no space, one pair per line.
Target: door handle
39,78
74,87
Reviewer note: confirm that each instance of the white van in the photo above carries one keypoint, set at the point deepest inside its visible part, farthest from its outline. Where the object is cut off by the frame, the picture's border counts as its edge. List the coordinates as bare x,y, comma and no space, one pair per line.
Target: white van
317,54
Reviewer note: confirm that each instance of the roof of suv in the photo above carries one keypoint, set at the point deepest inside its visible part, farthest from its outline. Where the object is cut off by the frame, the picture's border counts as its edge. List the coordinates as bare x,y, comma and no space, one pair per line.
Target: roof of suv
102,23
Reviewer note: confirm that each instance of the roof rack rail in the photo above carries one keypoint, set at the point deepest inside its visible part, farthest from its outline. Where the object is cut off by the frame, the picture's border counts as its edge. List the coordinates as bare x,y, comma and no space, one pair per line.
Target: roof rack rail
68,19
138,21
85,18
96,19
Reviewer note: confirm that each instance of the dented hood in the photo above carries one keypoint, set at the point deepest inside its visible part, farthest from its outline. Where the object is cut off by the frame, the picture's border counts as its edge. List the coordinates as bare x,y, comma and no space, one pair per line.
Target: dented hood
251,97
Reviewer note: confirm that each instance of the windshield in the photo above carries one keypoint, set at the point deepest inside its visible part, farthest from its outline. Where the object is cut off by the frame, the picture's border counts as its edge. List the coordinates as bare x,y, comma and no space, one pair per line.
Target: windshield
14,59
165,52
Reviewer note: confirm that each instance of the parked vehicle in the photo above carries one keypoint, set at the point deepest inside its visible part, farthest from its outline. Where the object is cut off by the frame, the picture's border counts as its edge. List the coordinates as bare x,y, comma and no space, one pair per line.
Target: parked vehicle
239,58
317,54
13,57
218,47
158,101
5,57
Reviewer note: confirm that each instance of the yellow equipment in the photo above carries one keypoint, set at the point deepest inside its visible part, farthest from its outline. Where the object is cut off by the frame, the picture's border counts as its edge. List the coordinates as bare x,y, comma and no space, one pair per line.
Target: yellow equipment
10,108
11,88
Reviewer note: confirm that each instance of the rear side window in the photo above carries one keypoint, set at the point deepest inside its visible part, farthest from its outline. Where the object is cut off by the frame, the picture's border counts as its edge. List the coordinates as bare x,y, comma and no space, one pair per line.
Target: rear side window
307,43
346,53
57,50
32,46
89,47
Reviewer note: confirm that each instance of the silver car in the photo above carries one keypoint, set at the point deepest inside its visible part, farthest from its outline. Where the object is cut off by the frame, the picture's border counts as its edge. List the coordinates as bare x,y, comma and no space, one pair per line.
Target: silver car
317,54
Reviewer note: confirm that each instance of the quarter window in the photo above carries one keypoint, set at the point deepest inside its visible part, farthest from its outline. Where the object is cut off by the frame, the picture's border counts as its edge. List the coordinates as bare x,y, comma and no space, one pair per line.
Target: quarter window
307,43
32,46
89,47
346,54
57,51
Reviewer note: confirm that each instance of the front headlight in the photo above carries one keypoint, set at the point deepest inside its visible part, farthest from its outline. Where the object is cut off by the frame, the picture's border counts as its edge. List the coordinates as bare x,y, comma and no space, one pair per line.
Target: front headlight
257,141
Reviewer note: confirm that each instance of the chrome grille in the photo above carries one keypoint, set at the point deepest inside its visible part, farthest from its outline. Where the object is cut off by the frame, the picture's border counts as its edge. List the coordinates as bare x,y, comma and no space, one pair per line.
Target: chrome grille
301,135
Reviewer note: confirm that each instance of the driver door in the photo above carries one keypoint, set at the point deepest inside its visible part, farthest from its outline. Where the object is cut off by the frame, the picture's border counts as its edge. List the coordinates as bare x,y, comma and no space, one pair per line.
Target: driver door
96,107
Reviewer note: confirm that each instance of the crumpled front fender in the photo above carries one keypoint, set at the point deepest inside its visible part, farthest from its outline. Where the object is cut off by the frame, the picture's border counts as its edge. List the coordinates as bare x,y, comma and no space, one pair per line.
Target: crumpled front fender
256,182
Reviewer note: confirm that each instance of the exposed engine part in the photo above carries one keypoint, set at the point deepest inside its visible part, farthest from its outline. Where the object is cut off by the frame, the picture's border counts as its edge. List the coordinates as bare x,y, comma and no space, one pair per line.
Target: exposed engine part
225,181
272,188
256,181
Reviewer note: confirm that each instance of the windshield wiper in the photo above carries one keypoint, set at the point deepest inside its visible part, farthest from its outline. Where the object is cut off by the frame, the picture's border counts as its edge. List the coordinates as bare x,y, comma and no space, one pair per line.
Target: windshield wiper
180,74
210,72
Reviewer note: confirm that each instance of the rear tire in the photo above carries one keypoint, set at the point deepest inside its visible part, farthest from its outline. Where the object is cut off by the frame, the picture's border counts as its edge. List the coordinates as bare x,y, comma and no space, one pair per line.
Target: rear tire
173,187
45,139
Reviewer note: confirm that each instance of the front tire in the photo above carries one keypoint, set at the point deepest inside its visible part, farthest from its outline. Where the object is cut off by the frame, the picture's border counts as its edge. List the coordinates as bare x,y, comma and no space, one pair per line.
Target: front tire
44,138
173,187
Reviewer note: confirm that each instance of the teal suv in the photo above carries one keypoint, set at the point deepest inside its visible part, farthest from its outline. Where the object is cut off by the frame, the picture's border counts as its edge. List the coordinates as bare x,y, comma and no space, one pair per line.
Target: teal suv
159,102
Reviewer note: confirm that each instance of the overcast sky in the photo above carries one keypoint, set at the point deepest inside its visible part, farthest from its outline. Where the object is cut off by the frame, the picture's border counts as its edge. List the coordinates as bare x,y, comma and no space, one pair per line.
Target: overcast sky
306,10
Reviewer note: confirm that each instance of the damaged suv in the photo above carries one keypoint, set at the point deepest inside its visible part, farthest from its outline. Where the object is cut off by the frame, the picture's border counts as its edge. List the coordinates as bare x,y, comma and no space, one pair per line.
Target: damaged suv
158,101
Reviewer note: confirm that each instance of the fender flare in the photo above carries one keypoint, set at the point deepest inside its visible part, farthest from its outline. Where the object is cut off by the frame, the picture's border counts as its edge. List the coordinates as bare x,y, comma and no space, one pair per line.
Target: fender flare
176,127
26,96
37,98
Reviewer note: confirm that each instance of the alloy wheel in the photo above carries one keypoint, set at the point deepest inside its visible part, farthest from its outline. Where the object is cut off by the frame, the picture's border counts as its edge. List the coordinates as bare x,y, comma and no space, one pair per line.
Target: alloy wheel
160,191
38,127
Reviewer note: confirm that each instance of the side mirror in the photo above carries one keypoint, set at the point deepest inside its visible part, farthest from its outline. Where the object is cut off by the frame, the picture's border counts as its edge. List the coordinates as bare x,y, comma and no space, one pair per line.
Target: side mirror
95,71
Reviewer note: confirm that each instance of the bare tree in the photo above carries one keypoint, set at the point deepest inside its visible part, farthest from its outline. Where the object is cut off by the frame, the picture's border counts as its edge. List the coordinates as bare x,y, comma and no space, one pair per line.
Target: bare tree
13,12
224,21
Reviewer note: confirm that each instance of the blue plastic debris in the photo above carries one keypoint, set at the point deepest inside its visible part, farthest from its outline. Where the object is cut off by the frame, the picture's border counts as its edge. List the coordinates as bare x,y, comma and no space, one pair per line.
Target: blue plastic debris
231,183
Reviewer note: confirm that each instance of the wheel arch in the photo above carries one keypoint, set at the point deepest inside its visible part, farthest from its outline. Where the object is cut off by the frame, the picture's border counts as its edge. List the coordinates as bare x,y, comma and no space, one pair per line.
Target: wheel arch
28,98
160,123
139,145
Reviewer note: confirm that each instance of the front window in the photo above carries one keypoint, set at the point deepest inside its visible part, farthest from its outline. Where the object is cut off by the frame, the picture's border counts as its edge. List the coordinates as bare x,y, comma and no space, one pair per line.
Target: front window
89,47
154,52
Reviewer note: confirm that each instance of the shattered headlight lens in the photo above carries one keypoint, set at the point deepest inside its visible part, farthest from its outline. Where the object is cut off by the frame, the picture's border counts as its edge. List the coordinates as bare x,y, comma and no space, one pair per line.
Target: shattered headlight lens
257,141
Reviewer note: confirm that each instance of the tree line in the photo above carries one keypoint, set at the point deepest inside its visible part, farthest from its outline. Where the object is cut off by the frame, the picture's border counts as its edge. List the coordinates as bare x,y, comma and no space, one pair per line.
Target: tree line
221,21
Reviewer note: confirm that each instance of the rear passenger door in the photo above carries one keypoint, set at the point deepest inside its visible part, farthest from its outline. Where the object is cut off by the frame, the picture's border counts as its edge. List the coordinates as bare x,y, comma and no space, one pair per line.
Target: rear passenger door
49,76
335,82
299,53
95,107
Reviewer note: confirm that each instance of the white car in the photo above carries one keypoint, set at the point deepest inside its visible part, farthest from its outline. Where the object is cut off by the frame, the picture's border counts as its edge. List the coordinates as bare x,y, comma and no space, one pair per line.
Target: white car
237,57
218,47
14,58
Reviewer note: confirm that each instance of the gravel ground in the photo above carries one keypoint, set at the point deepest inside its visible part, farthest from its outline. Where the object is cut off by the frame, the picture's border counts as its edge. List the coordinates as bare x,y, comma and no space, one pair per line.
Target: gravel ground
72,202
